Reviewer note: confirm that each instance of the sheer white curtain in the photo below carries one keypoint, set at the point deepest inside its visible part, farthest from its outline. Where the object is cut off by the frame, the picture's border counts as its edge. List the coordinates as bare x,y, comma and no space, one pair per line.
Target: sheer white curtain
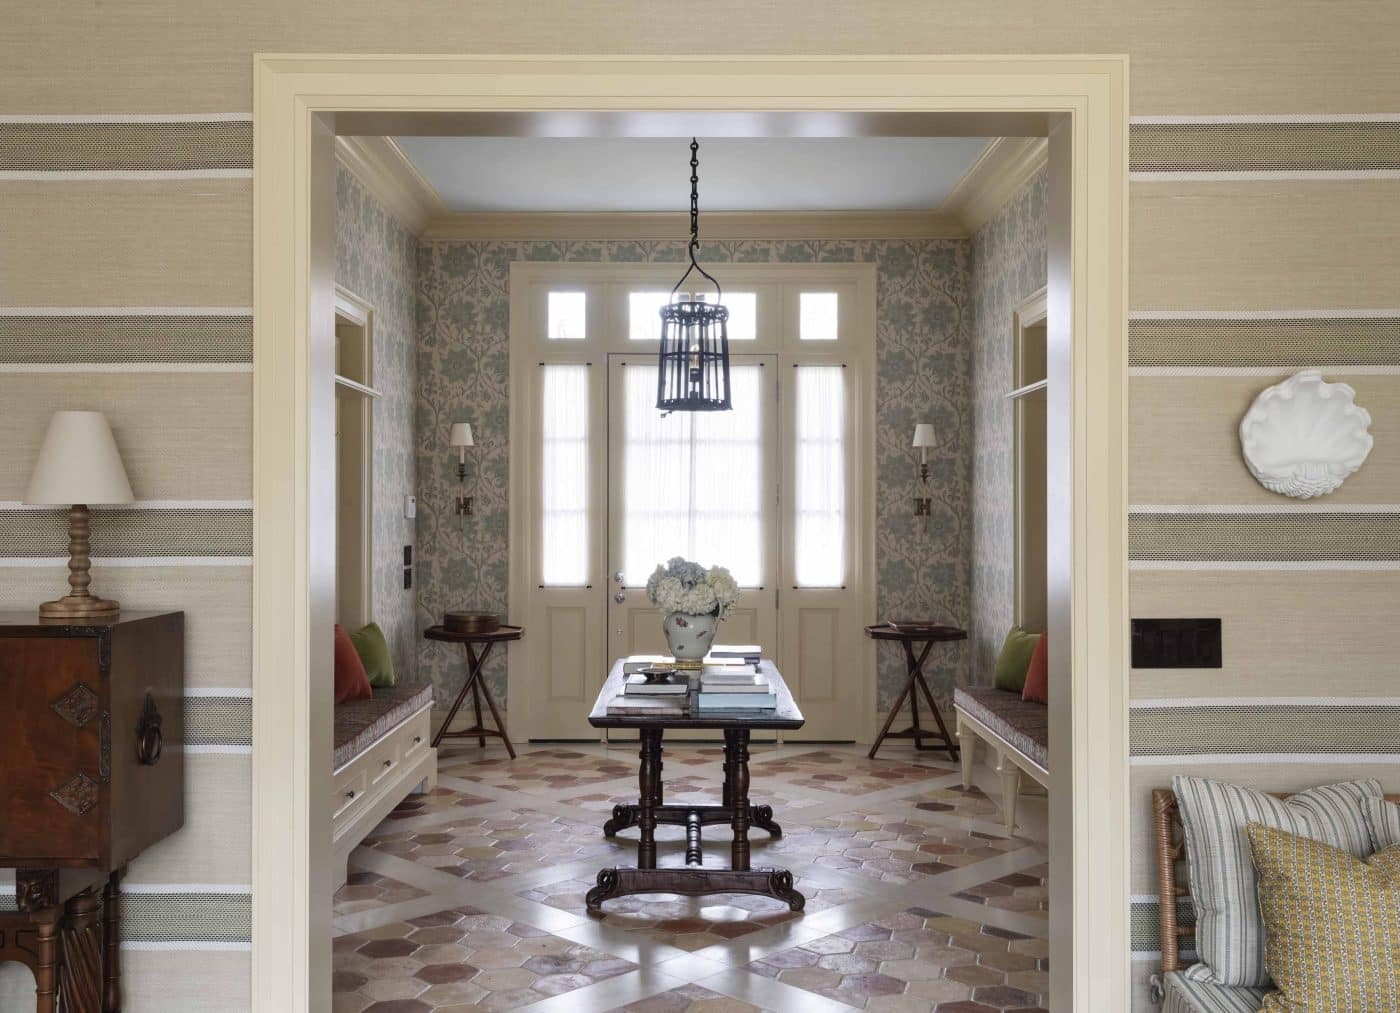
819,539
693,480
564,476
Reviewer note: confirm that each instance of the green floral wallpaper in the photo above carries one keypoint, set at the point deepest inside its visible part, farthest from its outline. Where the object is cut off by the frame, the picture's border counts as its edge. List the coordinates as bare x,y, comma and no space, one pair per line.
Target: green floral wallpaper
924,375
377,259
1008,266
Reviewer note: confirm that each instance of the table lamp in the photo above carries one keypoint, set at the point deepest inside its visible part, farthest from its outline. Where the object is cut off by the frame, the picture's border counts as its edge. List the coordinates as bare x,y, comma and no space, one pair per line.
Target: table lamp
461,438
78,465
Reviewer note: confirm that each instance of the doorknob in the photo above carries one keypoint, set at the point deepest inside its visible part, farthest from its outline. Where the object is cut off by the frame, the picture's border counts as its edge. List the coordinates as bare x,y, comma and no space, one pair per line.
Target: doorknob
619,597
617,577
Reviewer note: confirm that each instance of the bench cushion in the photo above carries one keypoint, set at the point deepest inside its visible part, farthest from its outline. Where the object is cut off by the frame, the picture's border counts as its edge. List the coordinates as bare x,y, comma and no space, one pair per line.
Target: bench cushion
359,724
1185,995
1022,723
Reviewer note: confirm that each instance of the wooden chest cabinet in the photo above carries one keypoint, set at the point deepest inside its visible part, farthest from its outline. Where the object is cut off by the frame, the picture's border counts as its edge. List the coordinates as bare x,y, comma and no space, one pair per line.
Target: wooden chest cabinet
91,774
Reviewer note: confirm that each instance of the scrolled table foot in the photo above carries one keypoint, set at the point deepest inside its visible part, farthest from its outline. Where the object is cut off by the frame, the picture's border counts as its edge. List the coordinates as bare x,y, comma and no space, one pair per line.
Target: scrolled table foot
623,816
608,886
780,883
762,817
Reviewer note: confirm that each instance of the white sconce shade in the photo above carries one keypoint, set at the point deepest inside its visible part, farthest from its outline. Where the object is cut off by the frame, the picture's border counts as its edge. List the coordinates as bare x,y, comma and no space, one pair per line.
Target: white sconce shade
462,435
78,463
924,436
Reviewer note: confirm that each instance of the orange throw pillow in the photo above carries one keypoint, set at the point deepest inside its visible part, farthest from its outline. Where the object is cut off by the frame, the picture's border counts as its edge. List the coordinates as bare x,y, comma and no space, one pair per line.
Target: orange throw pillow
1038,675
351,682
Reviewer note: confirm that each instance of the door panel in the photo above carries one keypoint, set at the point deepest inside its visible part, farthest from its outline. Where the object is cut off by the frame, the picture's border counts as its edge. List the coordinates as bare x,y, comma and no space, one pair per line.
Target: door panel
672,492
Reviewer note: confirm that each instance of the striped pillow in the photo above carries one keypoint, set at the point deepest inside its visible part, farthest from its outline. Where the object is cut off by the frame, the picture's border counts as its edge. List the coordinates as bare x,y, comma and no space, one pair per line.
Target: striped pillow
1224,887
1384,820
1333,925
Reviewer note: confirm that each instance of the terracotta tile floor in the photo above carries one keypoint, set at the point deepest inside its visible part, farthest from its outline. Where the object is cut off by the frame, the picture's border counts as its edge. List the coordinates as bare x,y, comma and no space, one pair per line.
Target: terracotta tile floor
471,898
917,959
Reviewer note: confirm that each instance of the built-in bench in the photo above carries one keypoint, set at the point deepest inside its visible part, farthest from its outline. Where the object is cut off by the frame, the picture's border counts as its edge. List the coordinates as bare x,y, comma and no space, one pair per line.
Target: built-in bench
383,753
1016,730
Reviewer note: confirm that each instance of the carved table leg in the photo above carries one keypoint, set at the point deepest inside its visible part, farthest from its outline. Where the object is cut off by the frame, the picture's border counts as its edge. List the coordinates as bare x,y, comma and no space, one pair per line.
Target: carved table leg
761,816
725,800
80,976
111,941
646,797
46,960
738,739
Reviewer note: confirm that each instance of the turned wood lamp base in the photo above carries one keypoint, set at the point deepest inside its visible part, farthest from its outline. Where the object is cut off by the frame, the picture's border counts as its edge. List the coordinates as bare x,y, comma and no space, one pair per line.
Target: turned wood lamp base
79,603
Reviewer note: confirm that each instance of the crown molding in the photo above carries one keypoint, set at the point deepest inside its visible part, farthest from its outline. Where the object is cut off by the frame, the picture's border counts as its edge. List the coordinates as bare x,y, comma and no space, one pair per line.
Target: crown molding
1005,167
385,171
636,225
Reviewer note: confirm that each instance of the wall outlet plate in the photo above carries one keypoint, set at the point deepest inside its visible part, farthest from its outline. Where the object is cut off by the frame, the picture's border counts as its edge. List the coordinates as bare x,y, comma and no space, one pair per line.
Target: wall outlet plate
1176,643
410,507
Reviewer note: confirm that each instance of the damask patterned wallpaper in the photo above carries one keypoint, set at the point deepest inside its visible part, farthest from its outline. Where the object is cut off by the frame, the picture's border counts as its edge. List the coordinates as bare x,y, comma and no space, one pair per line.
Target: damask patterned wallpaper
377,259
1008,266
923,375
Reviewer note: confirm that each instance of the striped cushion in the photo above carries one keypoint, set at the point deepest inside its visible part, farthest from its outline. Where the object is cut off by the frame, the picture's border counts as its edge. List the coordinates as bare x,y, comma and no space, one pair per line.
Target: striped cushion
1224,887
1384,820
1183,995
1333,925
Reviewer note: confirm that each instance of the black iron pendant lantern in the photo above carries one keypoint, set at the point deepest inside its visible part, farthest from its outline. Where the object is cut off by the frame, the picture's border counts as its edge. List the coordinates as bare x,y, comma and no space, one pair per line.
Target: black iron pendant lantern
694,373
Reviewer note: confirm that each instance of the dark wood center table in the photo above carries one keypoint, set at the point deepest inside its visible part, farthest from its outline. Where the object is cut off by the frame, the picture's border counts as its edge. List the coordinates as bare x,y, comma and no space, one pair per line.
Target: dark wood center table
734,809
476,682
908,635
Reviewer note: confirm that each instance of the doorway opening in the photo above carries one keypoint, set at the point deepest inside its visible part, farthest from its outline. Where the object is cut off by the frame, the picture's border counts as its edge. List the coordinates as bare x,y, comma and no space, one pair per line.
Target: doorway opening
1079,104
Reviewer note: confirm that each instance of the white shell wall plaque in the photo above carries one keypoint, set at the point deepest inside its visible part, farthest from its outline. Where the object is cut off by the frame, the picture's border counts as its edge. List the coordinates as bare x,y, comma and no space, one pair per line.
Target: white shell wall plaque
1304,436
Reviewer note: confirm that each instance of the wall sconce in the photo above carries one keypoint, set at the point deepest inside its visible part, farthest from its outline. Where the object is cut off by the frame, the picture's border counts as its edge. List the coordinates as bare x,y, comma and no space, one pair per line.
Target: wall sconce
924,438
461,438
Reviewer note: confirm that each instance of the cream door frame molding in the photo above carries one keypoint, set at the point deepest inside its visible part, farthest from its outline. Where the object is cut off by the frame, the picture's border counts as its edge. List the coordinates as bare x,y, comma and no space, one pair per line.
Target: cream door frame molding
1005,167
295,102
385,171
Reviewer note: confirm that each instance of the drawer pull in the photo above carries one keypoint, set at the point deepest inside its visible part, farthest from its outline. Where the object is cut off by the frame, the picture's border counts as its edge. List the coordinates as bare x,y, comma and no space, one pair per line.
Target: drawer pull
388,764
417,739
350,793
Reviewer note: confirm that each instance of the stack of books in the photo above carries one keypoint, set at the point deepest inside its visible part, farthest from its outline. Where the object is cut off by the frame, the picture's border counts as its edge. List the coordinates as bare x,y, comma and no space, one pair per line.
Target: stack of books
734,687
734,654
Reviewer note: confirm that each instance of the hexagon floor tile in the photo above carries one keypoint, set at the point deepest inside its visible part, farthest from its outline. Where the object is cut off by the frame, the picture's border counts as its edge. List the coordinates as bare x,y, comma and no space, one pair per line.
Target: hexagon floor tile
918,959
849,775
494,845
460,958
542,772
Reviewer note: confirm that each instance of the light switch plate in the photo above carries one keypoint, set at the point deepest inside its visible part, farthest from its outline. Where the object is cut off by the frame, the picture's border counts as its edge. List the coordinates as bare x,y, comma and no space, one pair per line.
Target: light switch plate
410,507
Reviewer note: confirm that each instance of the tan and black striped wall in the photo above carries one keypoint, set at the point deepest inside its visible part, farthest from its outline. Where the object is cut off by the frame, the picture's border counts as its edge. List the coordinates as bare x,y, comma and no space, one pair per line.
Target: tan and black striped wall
1263,216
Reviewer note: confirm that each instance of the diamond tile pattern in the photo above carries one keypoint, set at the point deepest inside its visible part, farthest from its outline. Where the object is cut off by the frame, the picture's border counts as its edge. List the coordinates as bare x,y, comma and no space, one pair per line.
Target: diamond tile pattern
472,897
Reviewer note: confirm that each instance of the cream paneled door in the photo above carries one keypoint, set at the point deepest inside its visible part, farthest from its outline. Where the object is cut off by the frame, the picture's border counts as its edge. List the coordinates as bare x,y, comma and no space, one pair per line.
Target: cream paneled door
703,485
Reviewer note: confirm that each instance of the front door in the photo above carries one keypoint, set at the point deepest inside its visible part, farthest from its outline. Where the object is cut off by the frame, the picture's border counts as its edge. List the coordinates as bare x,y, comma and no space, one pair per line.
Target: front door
701,485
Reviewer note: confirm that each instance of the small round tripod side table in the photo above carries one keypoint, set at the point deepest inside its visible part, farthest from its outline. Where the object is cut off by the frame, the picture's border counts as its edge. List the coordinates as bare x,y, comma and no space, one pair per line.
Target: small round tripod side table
476,682
908,636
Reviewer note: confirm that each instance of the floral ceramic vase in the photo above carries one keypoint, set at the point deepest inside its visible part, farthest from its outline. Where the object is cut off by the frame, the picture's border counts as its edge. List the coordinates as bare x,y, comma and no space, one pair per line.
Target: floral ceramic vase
689,636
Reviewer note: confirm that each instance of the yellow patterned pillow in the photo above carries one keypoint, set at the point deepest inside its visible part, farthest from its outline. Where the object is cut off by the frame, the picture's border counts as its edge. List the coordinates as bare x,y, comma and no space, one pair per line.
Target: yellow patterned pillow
1332,925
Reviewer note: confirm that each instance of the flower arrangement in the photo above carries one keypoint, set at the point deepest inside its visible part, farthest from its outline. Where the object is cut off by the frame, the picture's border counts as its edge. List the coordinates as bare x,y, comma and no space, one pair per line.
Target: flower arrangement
687,587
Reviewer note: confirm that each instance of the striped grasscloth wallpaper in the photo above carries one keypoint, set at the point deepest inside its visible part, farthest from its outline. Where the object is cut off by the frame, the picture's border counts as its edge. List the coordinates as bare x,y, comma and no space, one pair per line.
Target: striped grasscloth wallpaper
1263,215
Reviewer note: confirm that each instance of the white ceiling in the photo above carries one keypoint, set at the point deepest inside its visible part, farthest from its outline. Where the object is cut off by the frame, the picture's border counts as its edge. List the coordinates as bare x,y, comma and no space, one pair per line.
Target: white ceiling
653,174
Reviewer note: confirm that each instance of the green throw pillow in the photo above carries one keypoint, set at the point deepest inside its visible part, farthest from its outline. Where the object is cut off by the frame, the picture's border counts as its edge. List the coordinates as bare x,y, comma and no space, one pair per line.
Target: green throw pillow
1012,663
373,650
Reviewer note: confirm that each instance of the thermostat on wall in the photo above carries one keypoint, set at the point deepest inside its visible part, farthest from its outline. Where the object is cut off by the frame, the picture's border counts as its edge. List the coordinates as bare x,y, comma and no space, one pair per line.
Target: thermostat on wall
410,507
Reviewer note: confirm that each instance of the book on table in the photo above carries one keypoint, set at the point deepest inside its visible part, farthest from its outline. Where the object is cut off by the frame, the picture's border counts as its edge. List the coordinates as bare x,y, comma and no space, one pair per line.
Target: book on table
647,706
736,701
637,685
744,652
729,673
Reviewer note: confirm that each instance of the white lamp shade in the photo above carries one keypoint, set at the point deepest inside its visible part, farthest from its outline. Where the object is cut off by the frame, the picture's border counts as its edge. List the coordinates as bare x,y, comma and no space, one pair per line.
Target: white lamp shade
462,435
78,463
924,435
